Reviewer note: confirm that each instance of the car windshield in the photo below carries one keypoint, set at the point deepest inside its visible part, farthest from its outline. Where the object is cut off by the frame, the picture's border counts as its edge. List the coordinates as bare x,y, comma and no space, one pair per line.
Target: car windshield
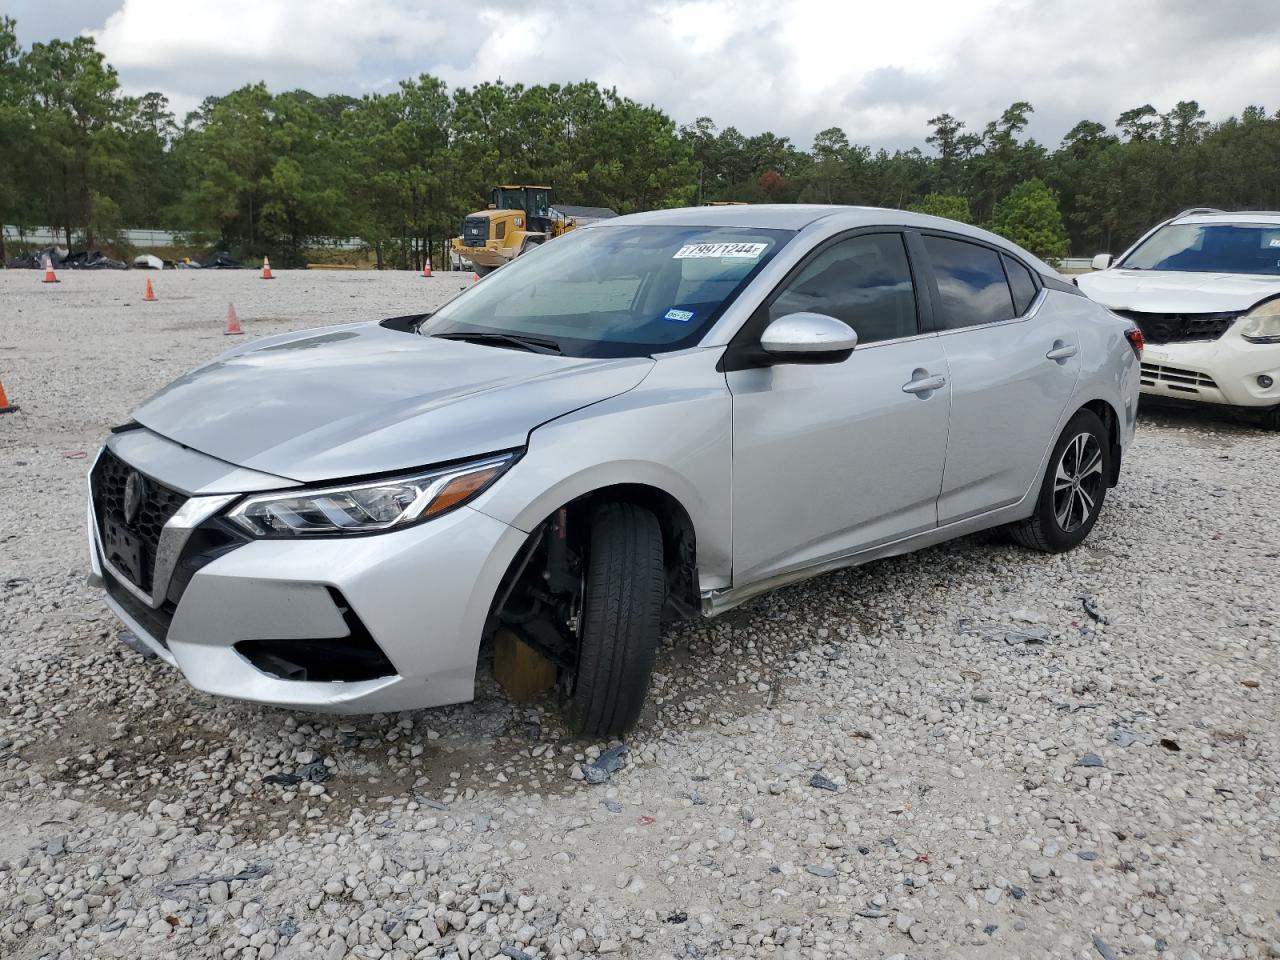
1210,248
612,291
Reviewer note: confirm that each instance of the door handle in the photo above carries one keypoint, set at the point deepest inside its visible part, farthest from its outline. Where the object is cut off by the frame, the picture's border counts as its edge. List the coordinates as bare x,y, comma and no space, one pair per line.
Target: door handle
921,382
1062,351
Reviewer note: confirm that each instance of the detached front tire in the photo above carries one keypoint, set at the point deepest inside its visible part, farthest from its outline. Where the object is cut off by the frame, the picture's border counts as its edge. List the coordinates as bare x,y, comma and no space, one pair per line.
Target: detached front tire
1074,488
624,588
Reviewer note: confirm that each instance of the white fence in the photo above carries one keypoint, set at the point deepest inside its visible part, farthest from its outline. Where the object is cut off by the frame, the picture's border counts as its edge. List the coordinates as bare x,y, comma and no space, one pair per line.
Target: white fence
1076,264
143,238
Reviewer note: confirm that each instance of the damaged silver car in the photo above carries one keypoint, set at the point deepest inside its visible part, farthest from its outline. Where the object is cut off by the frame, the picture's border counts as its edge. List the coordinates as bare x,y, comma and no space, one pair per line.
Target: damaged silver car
656,417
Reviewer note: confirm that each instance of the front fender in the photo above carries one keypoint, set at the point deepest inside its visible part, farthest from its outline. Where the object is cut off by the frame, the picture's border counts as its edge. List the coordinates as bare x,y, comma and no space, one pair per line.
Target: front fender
672,432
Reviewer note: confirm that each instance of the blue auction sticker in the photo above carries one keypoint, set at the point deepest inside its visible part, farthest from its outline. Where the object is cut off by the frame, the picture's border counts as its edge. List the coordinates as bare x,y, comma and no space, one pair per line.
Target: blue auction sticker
679,316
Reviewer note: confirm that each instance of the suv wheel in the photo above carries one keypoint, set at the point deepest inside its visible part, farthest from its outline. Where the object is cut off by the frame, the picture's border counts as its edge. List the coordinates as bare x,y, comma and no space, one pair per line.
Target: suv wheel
1271,419
624,587
1074,488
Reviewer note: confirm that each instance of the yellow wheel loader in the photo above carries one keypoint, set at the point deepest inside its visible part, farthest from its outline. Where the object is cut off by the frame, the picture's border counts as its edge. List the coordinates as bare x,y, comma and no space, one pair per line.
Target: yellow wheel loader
519,218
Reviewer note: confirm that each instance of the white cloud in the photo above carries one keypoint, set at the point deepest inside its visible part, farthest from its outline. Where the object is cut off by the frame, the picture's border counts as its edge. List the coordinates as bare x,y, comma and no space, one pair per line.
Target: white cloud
879,70
317,34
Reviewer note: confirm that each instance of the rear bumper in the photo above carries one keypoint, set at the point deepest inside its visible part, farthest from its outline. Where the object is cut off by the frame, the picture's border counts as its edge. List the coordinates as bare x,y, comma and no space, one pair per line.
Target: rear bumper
422,594
1223,371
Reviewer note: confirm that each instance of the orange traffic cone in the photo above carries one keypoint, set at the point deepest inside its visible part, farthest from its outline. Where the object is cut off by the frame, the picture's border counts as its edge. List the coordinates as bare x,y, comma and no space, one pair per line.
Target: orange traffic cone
5,405
49,275
266,269
150,295
426,268
233,322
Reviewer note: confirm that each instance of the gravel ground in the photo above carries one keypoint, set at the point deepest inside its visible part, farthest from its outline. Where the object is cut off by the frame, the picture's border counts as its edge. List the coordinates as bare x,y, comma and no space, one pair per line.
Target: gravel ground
944,755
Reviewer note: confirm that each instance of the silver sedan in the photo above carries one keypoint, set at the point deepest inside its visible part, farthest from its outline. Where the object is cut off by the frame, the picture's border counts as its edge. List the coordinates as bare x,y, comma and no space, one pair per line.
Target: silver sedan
655,417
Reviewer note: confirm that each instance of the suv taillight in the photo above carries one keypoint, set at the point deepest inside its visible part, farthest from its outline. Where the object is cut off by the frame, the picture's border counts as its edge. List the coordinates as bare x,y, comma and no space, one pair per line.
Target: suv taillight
1135,338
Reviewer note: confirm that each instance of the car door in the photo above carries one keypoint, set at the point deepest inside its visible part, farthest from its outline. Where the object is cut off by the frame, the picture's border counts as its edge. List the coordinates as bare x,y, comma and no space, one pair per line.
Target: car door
831,458
1013,365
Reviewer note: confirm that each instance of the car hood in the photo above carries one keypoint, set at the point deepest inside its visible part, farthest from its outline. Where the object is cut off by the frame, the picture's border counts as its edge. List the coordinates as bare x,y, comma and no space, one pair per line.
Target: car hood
363,399
1167,291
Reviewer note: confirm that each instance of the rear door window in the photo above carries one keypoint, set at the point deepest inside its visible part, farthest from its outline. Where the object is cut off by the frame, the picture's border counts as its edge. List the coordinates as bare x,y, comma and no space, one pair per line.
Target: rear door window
971,283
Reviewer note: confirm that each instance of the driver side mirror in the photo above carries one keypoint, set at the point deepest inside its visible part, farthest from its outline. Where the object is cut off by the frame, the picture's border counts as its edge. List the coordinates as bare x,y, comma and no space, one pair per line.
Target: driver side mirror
1101,261
808,338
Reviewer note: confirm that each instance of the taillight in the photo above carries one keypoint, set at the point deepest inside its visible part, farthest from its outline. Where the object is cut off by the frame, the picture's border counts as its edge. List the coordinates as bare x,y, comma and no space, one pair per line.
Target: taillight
1135,338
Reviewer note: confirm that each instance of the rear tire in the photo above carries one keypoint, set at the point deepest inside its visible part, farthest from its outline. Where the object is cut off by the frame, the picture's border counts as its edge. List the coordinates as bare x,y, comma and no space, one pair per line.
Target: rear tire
1074,488
482,271
623,593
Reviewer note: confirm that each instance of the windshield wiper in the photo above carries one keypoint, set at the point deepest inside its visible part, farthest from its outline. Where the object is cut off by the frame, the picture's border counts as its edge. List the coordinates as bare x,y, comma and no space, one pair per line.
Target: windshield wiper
516,340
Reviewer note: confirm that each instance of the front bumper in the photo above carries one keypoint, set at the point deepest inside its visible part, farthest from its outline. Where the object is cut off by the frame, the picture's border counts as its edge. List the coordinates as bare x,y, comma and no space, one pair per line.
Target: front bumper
1222,371
421,594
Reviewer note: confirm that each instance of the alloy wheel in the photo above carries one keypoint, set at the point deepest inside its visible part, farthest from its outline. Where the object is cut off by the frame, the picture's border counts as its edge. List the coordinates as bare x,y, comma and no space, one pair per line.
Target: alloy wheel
1077,482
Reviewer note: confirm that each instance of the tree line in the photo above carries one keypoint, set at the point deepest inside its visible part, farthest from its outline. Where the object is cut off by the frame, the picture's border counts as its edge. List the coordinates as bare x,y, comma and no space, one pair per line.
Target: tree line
255,172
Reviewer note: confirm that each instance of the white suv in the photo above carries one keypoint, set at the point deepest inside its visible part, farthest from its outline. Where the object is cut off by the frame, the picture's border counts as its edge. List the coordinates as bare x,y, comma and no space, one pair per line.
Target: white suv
1204,288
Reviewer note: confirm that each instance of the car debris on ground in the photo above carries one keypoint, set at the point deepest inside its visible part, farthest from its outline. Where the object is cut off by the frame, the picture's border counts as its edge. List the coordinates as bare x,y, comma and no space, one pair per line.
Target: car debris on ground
64,260
603,767
61,259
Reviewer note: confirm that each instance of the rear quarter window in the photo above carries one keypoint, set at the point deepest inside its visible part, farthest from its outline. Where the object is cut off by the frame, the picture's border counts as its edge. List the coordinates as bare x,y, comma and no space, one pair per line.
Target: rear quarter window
1021,284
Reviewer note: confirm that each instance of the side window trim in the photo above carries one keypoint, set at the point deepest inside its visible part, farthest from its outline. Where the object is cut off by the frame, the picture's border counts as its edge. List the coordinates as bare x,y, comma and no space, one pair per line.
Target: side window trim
740,352
1042,282
1033,304
980,242
1001,253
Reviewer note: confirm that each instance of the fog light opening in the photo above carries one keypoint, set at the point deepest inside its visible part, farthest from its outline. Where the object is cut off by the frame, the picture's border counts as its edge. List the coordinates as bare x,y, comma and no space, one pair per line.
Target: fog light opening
1264,381
348,659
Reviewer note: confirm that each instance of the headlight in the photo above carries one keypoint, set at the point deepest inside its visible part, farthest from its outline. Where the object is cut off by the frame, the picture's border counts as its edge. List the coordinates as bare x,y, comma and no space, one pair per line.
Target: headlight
1262,323
371,507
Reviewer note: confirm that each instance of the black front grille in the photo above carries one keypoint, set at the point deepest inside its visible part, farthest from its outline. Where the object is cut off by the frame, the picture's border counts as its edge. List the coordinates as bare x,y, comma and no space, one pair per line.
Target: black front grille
475,231
209,541
130,547
152,621
1179,327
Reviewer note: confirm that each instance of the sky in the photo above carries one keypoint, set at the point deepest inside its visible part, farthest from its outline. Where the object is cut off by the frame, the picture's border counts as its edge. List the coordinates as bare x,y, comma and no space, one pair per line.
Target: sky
877,70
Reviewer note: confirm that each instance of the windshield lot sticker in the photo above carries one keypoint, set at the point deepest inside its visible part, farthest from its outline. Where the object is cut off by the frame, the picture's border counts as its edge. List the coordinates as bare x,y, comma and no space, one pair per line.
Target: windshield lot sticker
680,316
706,251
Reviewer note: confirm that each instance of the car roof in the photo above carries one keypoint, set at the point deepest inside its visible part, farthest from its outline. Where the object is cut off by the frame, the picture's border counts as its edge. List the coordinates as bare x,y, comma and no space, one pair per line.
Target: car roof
1235,216
779,216
797,216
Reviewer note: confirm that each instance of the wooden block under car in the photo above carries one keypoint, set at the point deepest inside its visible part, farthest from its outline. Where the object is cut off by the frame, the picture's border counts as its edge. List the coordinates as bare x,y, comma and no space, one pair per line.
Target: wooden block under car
521,670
